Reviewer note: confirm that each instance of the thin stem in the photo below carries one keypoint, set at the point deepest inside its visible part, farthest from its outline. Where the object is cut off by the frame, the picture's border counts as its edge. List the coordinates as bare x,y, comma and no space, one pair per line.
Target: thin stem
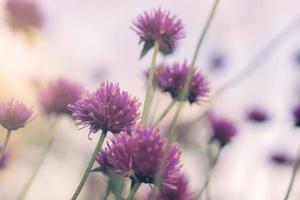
208,177
147,101
49,142
293,177
90,165
133,190
3,149
107,192
155,102
165,112
183,95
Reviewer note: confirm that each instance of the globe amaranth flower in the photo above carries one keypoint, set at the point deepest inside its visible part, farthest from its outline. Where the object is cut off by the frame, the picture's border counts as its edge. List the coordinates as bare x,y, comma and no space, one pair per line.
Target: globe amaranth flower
158,25
138,156
24,13
296,115
257,115
172,79
180,192
56,97
14,115
223,129
283,159
107,109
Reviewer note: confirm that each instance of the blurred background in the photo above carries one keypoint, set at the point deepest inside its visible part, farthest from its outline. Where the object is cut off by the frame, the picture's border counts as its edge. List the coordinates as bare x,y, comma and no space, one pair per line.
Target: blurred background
91,41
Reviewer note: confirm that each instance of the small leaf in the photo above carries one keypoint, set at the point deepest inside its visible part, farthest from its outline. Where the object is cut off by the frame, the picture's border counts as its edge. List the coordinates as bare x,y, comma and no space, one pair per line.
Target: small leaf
147,46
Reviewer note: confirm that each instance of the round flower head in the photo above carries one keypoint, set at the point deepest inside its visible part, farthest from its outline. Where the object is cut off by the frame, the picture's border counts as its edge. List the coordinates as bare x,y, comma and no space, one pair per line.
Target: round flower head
158,25
23,13
223,130
296,115
181,192
257,115
56,97
14,115
108,109
116,158
172,79
280,158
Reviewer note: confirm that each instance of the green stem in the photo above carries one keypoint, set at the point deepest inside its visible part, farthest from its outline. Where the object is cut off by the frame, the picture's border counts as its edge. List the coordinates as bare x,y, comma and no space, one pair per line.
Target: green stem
3,149
150,84
107,192
165,112
133,191
90,165
293,177
49,142
207,180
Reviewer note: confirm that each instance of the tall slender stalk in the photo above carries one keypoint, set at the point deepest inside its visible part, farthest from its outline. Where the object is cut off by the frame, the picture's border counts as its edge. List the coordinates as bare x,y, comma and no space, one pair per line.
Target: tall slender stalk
147,101
165,112
90,165
106,193
3,149
133,190
293,177
183,95
49,142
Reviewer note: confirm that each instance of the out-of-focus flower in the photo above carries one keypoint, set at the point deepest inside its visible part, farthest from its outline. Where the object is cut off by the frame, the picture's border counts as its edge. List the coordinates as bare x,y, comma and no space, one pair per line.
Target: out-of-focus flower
108,109
172,79
138,156
14,115
223,130
280,158
297,57
158,25
24,13
3,159
296,115
180,192
217,62
56,97
257,115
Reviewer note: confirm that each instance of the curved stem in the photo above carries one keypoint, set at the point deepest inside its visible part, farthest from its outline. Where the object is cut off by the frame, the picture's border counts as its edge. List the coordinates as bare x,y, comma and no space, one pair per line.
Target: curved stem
49,142
293,177
147,101
3,149
165,112
90,165
133,190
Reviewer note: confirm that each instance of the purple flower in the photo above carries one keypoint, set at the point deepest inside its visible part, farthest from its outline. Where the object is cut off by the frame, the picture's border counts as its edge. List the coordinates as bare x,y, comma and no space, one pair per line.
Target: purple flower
180,192
281,159
24,13
108,109
172,79
116,158
138,156
158,25
223,130
56,97
296,115
3,159
257,115
14,115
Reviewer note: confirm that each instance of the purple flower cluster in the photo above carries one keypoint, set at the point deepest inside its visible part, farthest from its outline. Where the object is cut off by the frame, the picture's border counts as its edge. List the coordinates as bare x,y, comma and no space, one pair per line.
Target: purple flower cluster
160,26
14,115
138,156
223,130
171,78
56,97
107,109
24,13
